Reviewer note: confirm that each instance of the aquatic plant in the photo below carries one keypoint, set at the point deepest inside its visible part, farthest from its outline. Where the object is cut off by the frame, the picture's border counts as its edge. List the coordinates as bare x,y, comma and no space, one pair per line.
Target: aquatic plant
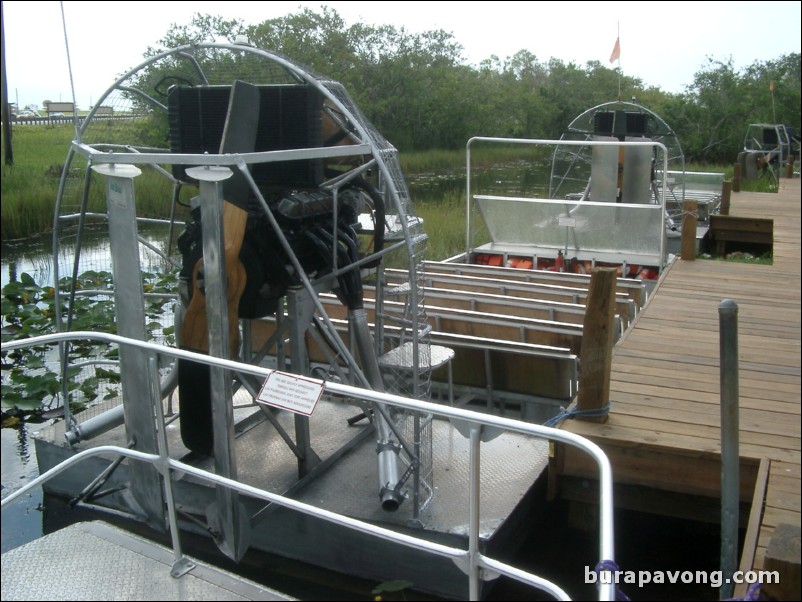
31,384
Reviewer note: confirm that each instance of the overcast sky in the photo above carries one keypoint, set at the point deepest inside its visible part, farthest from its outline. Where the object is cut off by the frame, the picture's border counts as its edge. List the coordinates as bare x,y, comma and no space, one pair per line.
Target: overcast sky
662,43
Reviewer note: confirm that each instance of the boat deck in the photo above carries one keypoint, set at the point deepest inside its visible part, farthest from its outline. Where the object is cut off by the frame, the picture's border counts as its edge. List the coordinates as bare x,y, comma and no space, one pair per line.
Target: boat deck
663,429
131,567
347,483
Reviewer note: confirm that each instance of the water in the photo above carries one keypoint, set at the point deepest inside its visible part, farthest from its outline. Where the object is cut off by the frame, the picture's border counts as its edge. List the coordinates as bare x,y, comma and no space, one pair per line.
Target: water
34,256
18,468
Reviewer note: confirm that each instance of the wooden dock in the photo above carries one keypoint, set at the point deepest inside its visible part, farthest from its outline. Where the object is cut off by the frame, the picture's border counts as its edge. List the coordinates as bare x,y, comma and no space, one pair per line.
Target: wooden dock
663,430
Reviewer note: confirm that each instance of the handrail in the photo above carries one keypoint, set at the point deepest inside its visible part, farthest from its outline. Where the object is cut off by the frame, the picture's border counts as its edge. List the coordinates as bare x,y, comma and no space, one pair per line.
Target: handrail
471,561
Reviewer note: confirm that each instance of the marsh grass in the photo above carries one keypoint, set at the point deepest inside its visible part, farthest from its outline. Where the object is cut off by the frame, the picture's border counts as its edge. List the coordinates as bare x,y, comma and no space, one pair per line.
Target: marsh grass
765,258
444,222
30,185
431,161
447,160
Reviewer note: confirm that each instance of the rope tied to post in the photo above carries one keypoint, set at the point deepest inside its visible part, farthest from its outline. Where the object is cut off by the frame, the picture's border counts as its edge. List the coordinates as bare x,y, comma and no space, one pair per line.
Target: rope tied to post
611,567
752,594
566,413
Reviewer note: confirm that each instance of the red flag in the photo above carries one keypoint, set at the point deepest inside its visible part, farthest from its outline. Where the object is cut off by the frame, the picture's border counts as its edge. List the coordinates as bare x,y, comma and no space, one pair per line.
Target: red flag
771,86
616,50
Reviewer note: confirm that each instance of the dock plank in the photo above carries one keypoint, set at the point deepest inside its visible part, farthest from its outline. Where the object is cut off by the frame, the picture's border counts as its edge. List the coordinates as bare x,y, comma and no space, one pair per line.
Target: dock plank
665,380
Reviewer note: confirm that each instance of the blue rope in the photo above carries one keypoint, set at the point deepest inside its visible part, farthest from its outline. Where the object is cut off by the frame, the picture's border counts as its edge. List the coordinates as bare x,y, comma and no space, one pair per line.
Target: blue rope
752,594
612,567
564,413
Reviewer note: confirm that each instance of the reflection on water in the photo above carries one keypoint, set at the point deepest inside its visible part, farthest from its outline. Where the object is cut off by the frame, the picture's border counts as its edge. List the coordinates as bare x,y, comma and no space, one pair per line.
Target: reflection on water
517,178
34,256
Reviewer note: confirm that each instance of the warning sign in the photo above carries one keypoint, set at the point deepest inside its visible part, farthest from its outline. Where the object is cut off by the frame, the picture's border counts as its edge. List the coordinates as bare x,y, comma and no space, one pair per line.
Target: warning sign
292,392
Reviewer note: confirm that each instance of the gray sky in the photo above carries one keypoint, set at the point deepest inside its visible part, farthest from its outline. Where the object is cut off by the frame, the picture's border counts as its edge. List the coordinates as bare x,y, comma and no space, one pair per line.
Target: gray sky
662,43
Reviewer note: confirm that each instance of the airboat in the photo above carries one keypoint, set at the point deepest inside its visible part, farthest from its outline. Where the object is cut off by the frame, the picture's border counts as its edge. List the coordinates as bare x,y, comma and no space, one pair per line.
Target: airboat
768,147
613,196
284,394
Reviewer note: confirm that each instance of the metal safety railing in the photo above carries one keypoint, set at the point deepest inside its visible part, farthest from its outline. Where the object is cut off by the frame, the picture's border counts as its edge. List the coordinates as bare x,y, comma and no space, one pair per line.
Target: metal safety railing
472,562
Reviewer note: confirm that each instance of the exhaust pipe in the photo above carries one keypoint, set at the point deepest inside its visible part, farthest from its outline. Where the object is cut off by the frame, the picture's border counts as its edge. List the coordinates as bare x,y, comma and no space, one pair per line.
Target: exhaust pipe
387,447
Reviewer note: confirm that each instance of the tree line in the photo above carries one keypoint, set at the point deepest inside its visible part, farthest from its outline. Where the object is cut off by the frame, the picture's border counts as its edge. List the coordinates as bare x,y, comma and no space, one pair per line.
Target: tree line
418,90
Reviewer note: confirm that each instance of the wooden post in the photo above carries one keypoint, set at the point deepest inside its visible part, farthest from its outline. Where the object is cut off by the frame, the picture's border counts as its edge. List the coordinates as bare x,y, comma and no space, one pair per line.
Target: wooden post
789,167
597,346
688,241
783,556
726,192
736,177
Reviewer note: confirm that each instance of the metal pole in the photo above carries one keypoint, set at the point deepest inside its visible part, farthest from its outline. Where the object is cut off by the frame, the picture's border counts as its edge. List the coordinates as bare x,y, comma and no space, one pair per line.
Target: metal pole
730,466
227,516
181,564
145,486
474,489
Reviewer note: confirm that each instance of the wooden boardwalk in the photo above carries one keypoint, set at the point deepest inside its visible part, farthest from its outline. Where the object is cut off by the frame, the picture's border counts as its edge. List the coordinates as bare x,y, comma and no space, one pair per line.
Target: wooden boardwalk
663,430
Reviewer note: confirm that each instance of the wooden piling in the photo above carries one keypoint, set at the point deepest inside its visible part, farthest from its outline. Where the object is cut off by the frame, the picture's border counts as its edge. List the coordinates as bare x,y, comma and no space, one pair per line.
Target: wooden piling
783,556
597,346
736,177
726,192
789,167
688,241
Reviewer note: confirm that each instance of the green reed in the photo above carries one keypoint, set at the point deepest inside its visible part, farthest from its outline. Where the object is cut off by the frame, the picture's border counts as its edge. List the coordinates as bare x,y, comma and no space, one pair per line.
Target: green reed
30,185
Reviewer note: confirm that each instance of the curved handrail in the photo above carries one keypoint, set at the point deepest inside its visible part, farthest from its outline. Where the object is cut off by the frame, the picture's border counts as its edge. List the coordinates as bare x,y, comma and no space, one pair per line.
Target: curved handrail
470,561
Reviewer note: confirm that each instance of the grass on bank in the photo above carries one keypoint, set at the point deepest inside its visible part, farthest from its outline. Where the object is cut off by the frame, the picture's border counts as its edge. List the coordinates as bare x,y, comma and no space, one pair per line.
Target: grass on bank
30,185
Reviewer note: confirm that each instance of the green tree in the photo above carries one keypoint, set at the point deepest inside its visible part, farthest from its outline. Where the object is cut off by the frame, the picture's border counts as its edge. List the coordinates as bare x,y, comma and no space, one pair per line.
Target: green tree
717,113
782,103
320,41
419,92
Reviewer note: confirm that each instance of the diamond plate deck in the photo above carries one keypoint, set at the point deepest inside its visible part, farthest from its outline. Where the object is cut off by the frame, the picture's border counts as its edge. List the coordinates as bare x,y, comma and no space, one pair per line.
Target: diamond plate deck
121,567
